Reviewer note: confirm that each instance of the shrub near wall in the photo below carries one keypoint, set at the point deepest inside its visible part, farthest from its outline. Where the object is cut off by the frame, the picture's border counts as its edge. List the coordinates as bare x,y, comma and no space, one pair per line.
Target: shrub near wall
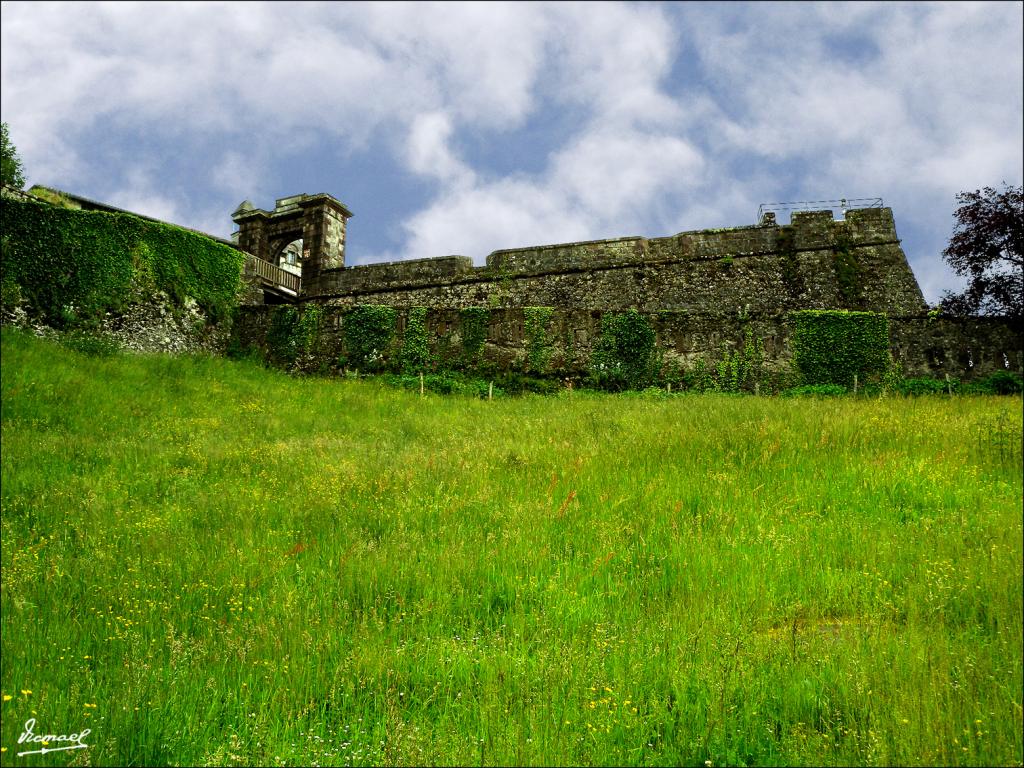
831,346
94,262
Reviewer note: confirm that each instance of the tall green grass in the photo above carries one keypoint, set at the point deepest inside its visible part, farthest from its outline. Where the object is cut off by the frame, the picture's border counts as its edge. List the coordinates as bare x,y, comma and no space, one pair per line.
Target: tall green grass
210,563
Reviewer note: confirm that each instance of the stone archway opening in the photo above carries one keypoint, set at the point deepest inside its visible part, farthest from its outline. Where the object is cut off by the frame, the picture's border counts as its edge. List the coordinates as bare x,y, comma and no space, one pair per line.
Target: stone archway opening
315,222
289,258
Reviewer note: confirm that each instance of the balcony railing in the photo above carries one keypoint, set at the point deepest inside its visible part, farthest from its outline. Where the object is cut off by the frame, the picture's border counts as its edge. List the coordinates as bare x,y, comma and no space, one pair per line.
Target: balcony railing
272,274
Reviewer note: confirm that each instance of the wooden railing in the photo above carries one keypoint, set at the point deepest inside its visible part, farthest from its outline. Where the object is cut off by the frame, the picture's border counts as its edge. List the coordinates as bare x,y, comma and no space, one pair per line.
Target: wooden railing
272,274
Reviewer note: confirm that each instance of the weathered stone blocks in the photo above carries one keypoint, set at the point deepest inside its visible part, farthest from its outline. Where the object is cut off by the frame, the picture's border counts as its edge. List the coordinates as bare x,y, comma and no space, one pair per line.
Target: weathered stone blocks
701,290
318,220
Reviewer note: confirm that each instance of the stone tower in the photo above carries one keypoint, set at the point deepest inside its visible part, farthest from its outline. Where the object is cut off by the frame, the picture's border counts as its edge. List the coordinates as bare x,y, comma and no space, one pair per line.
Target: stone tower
318,220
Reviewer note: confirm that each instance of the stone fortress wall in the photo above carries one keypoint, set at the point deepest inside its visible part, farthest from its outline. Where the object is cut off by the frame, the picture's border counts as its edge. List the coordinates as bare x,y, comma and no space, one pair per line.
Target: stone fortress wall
702,291
759,269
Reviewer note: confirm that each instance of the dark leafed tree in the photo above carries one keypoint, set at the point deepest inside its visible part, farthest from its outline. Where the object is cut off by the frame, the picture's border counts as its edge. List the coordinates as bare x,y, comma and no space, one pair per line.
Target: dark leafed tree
10,164
987,248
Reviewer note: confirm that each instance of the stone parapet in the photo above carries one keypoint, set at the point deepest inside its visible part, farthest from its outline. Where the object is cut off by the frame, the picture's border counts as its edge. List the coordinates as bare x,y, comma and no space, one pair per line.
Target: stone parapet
567,257
814,263
394,275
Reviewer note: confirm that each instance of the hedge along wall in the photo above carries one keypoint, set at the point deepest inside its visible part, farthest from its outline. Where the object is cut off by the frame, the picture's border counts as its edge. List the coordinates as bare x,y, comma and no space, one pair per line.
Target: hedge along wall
95,262
832,346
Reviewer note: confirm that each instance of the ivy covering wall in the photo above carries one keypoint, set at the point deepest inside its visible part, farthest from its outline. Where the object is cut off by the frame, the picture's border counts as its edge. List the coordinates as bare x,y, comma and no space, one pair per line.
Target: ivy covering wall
415,345
292,334
369,330
810,351
536,321
624,355
73,265
831,346
475,322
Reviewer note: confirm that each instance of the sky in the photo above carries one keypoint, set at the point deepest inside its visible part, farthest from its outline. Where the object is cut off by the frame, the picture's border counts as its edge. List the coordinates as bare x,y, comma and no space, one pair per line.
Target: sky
464,128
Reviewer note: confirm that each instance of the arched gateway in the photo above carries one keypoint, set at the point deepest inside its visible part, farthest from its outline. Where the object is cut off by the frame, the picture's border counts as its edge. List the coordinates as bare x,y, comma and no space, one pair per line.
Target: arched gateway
317,220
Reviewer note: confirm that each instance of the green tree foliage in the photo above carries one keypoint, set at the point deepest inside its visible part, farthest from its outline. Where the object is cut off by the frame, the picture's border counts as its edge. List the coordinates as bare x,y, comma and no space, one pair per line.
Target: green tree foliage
987,247
831,346
11,171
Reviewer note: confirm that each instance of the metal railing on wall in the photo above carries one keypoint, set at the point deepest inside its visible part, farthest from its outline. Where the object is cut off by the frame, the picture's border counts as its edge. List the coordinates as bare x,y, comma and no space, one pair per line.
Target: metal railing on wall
843,205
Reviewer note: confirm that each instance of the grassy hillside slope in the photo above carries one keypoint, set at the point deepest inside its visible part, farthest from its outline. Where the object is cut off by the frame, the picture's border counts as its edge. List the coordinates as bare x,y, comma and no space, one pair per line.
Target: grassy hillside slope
209,563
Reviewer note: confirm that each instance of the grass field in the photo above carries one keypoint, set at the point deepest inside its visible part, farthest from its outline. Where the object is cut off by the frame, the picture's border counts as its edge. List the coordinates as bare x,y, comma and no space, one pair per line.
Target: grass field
205,562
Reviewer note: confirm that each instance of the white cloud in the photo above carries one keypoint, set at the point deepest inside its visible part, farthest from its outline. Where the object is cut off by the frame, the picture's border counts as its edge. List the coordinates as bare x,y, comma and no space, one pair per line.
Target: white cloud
914,102
925,101
940,72
612,59
618,174
238,175
481,59
429,154
609,174
474,221
600,184
139,196
142,191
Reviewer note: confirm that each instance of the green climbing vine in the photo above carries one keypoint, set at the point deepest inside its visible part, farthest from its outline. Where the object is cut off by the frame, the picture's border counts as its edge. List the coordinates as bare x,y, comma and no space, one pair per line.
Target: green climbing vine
830,346
789,263
72,265
293,334
307,329
624,356
475,326
415,346
740,369
538,341
368,331
282,342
